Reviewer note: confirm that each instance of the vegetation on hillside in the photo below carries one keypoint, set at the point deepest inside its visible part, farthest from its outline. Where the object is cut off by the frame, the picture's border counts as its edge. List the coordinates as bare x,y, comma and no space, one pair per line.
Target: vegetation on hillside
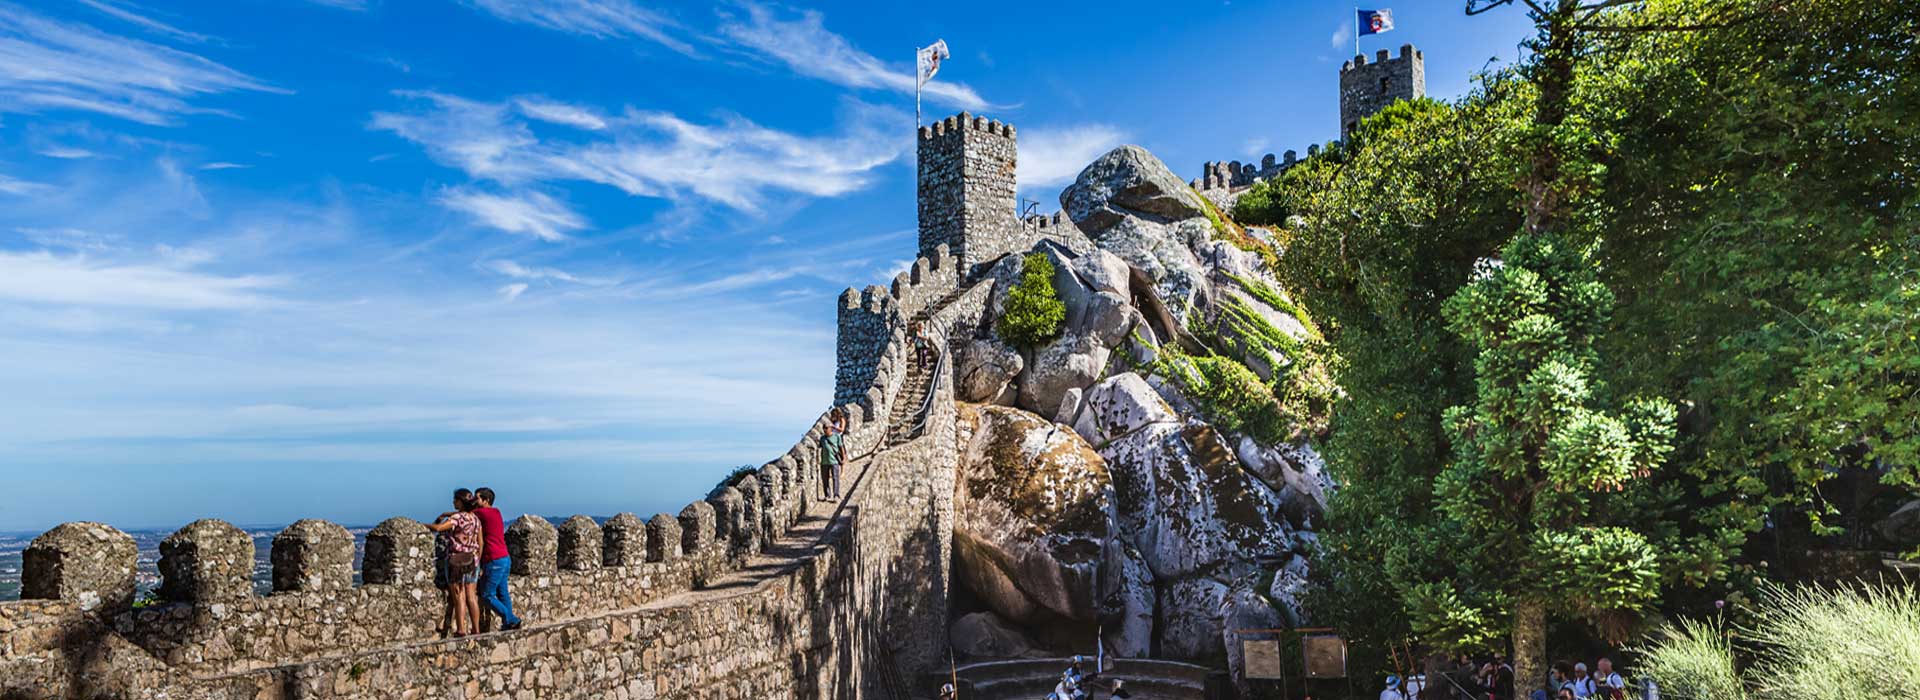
1750,194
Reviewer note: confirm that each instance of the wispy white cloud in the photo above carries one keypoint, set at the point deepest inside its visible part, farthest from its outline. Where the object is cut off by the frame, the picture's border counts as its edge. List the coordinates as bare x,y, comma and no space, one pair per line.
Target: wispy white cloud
513,291
69,239
561,113
653,154
1051,156
67,153
116,11
1341,35
16,186
528,213
519,271
223,165
166,281
349,5
805,46
46,64
601,19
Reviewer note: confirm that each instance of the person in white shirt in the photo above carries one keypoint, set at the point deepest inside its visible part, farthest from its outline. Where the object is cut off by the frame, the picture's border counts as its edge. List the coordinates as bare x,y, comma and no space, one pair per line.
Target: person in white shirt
1393,690
1582,683
1609,684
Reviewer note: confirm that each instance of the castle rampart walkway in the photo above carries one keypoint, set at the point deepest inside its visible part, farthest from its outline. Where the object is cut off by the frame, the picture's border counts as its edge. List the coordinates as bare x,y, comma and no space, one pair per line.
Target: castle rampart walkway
757,591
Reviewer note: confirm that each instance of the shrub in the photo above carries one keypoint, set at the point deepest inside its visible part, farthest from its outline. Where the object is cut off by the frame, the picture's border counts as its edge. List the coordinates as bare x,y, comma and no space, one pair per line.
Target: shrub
1231,396
1225,229
1034,311
1807,643
1693,659
732,479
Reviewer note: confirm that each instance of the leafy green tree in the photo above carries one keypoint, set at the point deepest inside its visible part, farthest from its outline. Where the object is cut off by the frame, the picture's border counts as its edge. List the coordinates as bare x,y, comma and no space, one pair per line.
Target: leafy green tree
1382,232
1752,185
1034,311
1534,454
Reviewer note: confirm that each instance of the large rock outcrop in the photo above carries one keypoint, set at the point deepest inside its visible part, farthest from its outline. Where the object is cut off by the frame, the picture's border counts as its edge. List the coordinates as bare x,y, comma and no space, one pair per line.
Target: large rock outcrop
1032,505
1129,204
1203,532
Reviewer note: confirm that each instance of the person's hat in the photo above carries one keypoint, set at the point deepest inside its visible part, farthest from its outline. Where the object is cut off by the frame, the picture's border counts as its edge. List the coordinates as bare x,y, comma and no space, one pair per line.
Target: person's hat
1576,667
946,689
1392,681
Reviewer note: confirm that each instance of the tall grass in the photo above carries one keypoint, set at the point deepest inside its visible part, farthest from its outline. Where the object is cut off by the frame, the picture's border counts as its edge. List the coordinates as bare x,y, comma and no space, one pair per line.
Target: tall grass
1807,643
1819,644
1693,659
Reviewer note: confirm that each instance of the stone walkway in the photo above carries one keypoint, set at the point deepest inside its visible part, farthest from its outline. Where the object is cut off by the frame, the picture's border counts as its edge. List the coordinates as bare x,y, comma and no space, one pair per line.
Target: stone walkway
788,552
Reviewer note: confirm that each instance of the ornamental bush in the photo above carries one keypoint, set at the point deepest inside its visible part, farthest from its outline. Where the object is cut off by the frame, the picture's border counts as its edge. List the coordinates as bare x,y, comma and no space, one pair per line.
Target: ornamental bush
1034,311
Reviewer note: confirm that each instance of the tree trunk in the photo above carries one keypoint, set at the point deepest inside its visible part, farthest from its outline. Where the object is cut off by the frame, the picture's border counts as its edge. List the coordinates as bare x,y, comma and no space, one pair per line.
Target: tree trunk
1529,647
1556,48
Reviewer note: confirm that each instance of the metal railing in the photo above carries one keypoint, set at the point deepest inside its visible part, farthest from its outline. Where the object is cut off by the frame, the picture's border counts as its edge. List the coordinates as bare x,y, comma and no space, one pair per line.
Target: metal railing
925,412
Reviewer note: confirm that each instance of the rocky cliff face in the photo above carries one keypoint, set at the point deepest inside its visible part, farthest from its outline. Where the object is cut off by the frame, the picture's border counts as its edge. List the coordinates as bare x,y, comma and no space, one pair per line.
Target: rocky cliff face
1138,474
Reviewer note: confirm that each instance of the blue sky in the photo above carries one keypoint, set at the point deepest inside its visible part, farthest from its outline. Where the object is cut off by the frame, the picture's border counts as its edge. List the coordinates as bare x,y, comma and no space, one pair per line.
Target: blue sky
263,260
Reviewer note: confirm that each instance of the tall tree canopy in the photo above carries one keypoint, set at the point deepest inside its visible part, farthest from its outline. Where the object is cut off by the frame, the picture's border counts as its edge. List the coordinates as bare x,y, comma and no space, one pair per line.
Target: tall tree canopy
1750,193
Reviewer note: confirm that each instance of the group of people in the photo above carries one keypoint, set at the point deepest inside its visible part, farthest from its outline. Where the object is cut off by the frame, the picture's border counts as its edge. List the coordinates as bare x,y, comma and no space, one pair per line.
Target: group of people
1076,684
471,564
1573,682
1493,679
833,444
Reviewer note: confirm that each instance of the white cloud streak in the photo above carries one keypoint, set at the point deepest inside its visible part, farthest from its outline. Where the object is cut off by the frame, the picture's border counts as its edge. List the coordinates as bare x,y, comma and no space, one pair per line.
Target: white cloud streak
652,154
47,64
1051,156
527,213
45,277
601,19
147,23
17,186
348,5
805,46
560,113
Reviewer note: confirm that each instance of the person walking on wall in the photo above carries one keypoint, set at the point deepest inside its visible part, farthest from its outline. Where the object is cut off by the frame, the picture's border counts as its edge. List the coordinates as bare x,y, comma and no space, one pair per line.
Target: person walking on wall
461,528
832,453
494,562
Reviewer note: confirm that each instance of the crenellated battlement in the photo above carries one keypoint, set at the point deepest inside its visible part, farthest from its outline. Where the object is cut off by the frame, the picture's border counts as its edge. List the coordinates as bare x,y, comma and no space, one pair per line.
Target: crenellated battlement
964,122
1234,175
872,327
1366,88
966,189
79,582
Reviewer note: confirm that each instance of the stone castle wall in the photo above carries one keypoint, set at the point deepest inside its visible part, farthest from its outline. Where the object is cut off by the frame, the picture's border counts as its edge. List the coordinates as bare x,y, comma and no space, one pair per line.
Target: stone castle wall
637,616
638,620
1367,88
967,193
678,605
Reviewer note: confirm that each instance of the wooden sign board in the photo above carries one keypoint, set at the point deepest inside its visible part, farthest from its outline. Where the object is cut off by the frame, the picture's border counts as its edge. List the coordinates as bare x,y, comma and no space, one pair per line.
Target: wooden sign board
1326,656
1261,658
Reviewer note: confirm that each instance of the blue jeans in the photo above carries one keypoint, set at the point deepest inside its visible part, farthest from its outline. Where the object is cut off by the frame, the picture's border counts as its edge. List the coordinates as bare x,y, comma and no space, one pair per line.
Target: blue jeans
493,589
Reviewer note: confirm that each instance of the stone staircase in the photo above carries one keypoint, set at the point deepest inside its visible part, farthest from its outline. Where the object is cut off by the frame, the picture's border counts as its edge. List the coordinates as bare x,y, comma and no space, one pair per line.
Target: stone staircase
905,416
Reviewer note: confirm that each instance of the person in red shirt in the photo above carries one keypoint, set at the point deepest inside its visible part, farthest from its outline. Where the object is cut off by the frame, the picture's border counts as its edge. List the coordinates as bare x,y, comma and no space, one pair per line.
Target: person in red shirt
494,562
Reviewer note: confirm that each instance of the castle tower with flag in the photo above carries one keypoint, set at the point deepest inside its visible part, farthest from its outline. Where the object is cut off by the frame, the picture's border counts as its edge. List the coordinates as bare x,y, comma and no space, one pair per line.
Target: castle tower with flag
1368,87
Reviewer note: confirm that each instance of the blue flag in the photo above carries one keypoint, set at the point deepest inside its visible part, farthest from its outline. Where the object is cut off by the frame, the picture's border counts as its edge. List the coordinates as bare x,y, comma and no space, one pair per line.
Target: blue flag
1375,21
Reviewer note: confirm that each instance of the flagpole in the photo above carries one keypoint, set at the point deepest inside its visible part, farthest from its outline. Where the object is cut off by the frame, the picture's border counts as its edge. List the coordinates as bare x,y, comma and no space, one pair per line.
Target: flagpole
917,83
1356,30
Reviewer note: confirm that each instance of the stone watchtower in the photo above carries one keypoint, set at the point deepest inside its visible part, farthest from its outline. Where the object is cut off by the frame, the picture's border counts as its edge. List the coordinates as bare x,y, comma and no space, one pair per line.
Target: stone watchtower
967,198
1367,88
